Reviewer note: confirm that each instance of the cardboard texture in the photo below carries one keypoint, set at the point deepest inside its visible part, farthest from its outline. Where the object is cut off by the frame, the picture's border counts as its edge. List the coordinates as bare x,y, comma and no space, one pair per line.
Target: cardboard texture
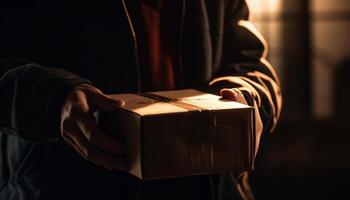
182,133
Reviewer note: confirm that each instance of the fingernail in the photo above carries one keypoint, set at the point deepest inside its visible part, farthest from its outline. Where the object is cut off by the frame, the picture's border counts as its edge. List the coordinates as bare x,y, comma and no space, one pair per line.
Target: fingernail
235,93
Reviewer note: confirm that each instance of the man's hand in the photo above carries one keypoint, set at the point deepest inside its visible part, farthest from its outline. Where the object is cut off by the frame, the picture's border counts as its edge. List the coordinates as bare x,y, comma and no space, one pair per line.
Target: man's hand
236,95
79,128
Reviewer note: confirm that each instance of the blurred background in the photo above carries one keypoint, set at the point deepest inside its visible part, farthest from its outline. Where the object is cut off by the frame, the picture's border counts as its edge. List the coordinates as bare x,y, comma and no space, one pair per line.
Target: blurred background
307,156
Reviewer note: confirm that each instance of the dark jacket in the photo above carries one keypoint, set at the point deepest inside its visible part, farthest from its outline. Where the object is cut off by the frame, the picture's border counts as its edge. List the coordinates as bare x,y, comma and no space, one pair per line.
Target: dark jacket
47,47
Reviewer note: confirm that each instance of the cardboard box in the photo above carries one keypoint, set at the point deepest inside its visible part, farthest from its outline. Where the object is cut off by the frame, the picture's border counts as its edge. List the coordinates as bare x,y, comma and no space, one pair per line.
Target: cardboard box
183,133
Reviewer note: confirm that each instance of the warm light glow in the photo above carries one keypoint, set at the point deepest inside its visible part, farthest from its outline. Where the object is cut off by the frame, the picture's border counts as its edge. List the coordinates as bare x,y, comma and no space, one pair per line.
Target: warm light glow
181,101
264,6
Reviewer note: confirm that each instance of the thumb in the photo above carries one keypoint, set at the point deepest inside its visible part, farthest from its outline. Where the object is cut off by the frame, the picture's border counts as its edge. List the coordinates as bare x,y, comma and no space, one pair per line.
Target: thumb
100,101
233,94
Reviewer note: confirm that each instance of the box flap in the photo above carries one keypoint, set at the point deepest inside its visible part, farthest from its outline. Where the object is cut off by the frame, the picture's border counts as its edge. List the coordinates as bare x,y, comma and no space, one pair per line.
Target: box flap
200,99
185,94
146,106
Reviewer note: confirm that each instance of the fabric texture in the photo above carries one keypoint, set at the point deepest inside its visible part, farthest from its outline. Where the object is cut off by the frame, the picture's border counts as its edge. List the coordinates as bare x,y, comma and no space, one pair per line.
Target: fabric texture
157,30
49,47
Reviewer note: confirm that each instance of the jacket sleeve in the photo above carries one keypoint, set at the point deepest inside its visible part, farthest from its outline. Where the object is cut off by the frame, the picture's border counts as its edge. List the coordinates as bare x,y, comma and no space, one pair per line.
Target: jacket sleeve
30,98
244,65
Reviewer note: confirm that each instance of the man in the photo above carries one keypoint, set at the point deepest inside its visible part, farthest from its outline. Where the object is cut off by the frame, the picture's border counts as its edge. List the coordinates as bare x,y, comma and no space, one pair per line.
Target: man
60,58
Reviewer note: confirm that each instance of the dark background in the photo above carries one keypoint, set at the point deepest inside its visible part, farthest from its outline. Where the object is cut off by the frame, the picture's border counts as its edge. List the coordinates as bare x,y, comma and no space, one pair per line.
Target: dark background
307,156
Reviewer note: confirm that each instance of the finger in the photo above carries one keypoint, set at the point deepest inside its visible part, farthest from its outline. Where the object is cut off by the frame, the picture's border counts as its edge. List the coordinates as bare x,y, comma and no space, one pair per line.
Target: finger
88,126
101,101
76,146
258,127
233,95
93,153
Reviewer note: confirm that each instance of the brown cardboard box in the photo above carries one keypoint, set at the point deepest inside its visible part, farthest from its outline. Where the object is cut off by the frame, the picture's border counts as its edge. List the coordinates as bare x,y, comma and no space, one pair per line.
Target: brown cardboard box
183,133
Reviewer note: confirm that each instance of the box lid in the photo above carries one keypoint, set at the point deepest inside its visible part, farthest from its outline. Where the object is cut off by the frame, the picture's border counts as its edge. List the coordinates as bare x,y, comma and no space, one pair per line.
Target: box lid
155,103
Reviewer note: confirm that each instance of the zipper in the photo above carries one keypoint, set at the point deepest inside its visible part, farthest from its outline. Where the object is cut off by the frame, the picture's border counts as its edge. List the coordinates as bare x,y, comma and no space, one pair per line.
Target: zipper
138,69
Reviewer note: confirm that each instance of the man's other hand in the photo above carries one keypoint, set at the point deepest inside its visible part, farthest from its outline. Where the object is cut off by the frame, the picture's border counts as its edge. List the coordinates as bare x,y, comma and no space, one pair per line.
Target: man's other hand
79,128
234,94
